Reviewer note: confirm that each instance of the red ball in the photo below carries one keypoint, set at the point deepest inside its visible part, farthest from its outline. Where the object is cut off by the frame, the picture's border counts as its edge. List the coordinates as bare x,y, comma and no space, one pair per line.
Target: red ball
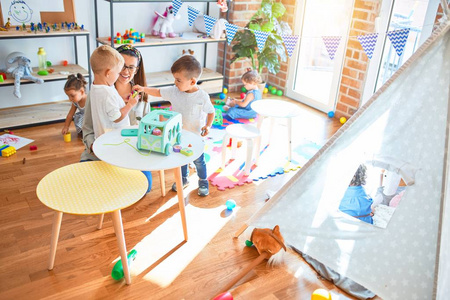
242,95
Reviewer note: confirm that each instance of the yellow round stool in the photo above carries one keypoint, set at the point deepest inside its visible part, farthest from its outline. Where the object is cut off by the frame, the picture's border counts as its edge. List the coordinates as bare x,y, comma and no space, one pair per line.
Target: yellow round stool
321,294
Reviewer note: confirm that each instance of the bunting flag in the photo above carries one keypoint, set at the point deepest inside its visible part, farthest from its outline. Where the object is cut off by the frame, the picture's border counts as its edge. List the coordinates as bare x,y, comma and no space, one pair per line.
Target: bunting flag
176,6
332,44
261,37
209,23
398,39
231,30
289,42
368,43
192,14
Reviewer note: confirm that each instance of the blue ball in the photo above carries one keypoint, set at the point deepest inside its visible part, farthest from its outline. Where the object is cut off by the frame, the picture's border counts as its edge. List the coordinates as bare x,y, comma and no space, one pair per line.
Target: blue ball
222,96
230,204
331,114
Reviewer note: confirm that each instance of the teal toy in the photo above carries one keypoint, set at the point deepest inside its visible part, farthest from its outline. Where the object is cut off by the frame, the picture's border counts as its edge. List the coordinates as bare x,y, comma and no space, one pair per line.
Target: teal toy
117,271
218,118
159,136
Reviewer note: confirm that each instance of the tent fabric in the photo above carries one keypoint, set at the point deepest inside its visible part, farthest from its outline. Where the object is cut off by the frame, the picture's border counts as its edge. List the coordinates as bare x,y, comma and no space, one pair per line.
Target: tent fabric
405,120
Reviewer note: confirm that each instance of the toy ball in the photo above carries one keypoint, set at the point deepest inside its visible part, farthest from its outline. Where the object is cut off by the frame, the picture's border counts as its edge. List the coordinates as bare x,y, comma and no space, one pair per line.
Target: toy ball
273,91
242,95
321,294
222,96
343,120
270,87
331,114
248,243
266,90
267,85
225,90
230,204
224,296
243,89
279,93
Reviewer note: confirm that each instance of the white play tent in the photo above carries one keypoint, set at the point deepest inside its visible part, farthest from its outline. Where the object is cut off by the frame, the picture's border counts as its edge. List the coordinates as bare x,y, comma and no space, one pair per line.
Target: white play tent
407,121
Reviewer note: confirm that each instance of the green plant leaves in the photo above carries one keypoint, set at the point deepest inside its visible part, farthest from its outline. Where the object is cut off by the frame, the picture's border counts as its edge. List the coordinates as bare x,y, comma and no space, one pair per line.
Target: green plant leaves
267,27
278,10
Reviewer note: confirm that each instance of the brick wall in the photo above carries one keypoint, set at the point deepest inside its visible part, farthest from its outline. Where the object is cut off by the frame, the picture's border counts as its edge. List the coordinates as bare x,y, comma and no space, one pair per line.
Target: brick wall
240,13
356,62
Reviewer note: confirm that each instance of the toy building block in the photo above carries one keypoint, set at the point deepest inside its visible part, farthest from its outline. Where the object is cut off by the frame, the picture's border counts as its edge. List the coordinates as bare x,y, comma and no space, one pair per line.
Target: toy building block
177,148
187,151
8,151
1,78
3,147
33,147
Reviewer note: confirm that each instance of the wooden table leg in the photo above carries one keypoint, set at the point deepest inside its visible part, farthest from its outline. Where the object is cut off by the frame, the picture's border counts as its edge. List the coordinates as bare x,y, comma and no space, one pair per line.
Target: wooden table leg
118,229
179,183
100,221
162,182
57,218
289,127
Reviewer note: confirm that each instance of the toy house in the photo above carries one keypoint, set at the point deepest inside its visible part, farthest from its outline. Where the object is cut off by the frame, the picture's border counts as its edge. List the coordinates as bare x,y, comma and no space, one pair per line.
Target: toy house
159,131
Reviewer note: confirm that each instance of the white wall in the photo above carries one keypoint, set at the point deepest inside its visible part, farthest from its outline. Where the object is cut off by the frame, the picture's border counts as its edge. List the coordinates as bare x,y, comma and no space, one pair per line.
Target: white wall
138,16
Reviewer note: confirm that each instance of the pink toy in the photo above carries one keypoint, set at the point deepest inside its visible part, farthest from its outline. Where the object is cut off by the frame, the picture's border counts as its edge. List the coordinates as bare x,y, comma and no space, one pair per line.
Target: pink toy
156,131
242,95
33,147
163,23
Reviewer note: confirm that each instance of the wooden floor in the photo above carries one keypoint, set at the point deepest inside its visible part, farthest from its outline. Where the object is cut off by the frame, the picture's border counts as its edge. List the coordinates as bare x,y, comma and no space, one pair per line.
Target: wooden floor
166,266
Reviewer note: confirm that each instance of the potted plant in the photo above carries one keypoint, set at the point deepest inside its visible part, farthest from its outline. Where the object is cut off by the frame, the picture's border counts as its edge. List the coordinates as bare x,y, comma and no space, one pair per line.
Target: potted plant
268,19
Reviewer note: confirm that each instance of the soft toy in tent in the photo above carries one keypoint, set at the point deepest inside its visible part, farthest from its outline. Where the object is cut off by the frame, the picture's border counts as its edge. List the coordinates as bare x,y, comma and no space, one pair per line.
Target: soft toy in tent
18,65
163,23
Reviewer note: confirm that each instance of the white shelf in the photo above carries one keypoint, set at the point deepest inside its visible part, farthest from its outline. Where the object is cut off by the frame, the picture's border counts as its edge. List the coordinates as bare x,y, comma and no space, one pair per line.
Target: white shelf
154,41
56,75
12,33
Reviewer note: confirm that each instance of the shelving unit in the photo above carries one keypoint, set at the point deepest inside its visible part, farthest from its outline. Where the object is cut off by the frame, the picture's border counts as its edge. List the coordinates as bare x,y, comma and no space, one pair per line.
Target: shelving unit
211,81
55,76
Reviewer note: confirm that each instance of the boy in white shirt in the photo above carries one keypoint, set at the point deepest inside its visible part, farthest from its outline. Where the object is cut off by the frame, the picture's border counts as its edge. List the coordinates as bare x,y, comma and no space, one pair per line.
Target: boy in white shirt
109,111
193,103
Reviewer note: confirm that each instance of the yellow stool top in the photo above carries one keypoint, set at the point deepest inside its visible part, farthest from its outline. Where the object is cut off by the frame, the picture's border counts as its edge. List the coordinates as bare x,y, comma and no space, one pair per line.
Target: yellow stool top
90,188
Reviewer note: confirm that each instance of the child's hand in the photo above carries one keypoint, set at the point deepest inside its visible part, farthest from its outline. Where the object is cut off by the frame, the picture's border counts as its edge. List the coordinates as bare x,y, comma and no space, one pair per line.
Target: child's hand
136,95
138,88
65,130
232,103
205,130
132,101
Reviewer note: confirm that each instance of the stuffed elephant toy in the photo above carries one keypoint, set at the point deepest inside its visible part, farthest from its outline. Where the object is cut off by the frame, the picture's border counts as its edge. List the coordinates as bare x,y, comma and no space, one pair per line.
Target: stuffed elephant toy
20,69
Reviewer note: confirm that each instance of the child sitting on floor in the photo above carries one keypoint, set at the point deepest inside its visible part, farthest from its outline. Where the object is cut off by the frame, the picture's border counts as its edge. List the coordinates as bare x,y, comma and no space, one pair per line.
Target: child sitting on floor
75,89
242,109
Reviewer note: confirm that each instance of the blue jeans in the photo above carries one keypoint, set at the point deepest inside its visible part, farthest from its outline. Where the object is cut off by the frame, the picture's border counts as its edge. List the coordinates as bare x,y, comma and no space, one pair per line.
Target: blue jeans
200,164
148,174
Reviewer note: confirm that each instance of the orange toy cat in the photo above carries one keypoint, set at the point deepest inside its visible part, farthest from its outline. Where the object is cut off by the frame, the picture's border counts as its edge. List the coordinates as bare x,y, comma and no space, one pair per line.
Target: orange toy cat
268,242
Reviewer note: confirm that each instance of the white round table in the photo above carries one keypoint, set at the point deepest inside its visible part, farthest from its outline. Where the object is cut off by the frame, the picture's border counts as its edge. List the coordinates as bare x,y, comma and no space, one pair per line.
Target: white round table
121,151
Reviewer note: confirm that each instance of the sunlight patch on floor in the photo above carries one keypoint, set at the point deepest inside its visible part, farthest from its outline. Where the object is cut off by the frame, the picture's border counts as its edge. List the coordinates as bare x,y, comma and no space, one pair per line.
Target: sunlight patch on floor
160,257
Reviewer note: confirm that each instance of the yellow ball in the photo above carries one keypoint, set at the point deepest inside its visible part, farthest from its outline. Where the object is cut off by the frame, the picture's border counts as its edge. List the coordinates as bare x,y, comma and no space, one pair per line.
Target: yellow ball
266,90
225,91
343,120
321,294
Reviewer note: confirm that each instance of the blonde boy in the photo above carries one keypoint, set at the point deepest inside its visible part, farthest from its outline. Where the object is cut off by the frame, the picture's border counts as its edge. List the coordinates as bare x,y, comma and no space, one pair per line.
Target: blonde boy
109,111
193,104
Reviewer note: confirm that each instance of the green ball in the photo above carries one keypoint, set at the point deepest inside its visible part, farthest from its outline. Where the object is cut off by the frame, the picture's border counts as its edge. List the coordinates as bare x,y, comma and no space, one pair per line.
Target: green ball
273,91
248,243
49,63
279,93
270,87
243,89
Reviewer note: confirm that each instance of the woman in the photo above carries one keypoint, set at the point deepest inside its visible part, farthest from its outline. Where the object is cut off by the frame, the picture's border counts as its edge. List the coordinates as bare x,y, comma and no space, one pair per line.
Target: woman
132,69
132,73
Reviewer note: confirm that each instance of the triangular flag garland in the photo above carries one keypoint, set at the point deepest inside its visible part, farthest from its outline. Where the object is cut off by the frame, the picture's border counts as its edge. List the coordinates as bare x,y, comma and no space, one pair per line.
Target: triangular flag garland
261,38
209,23
176,6
398,39
368,43
192,14
231,30
332,44
289,42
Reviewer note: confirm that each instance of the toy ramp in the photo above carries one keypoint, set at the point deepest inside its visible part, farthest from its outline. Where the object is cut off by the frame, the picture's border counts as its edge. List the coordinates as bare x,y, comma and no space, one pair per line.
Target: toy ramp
406,120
